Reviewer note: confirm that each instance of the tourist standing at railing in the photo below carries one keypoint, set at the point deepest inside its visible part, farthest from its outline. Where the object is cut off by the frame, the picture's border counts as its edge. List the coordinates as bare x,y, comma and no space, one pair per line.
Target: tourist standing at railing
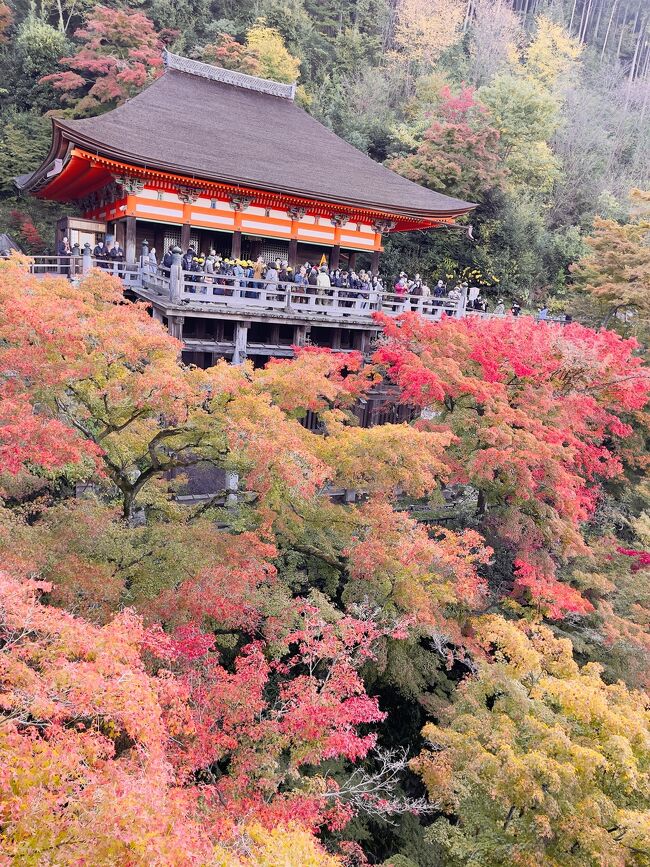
312,281
323,283
271,275
168,258
301,277
284,274
479,304
248,274
500,309
187,263
300,285
187,260
440,289
363,292
415,291
515,309
258,271
401,290
116,257
100,254
238,274
198,266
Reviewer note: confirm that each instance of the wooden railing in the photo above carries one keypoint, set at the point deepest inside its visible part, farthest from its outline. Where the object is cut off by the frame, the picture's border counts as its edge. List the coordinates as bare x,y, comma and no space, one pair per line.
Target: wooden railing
242,293
75,266
64,266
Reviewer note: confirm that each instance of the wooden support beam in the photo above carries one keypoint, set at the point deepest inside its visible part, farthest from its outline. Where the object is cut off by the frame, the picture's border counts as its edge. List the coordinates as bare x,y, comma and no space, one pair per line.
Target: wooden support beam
186,229
241,341
335,256
374,265
301,334
175,326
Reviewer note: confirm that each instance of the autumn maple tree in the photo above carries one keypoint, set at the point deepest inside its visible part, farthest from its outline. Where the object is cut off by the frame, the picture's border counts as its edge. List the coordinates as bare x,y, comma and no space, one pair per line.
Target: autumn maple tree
119,53
459,150
263,54
536,413
539,761
424,28
615,272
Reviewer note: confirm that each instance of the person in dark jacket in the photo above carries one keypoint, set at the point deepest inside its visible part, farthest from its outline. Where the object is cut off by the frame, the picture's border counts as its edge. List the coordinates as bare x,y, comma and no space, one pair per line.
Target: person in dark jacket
116,254
312,281
188,259
100,253
168,259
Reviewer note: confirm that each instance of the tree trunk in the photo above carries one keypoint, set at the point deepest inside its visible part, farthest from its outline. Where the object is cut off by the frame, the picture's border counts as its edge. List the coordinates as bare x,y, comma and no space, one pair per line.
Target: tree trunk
468,15
635,56
597,25
60,11
609,27
621,32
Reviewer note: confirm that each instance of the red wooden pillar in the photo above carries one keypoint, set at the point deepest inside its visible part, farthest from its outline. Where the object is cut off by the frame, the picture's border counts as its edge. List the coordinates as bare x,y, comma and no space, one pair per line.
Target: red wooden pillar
293,252
235,249
129,241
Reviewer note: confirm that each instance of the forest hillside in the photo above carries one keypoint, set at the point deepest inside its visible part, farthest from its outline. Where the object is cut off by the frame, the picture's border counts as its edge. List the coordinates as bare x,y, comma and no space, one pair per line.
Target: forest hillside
536,111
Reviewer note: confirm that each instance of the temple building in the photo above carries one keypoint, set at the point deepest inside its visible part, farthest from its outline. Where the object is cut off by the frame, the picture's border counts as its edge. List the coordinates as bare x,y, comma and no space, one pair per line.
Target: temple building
209,158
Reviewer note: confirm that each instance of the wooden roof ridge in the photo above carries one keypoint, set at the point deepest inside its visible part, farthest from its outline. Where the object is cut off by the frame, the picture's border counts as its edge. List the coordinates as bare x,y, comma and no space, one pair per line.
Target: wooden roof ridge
229,76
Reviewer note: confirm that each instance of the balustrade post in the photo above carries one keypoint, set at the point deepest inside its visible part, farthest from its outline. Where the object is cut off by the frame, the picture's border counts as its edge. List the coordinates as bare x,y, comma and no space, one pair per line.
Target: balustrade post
86,262
287,289
176,276
144,258
74,261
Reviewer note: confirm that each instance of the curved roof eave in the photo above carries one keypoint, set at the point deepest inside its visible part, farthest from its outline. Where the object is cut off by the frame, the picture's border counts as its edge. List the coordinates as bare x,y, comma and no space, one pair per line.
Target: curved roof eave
459,206
59,150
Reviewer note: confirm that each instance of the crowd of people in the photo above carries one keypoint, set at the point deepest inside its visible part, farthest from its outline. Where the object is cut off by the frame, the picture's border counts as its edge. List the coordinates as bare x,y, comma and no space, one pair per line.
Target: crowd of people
359,287
228,275
245,273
